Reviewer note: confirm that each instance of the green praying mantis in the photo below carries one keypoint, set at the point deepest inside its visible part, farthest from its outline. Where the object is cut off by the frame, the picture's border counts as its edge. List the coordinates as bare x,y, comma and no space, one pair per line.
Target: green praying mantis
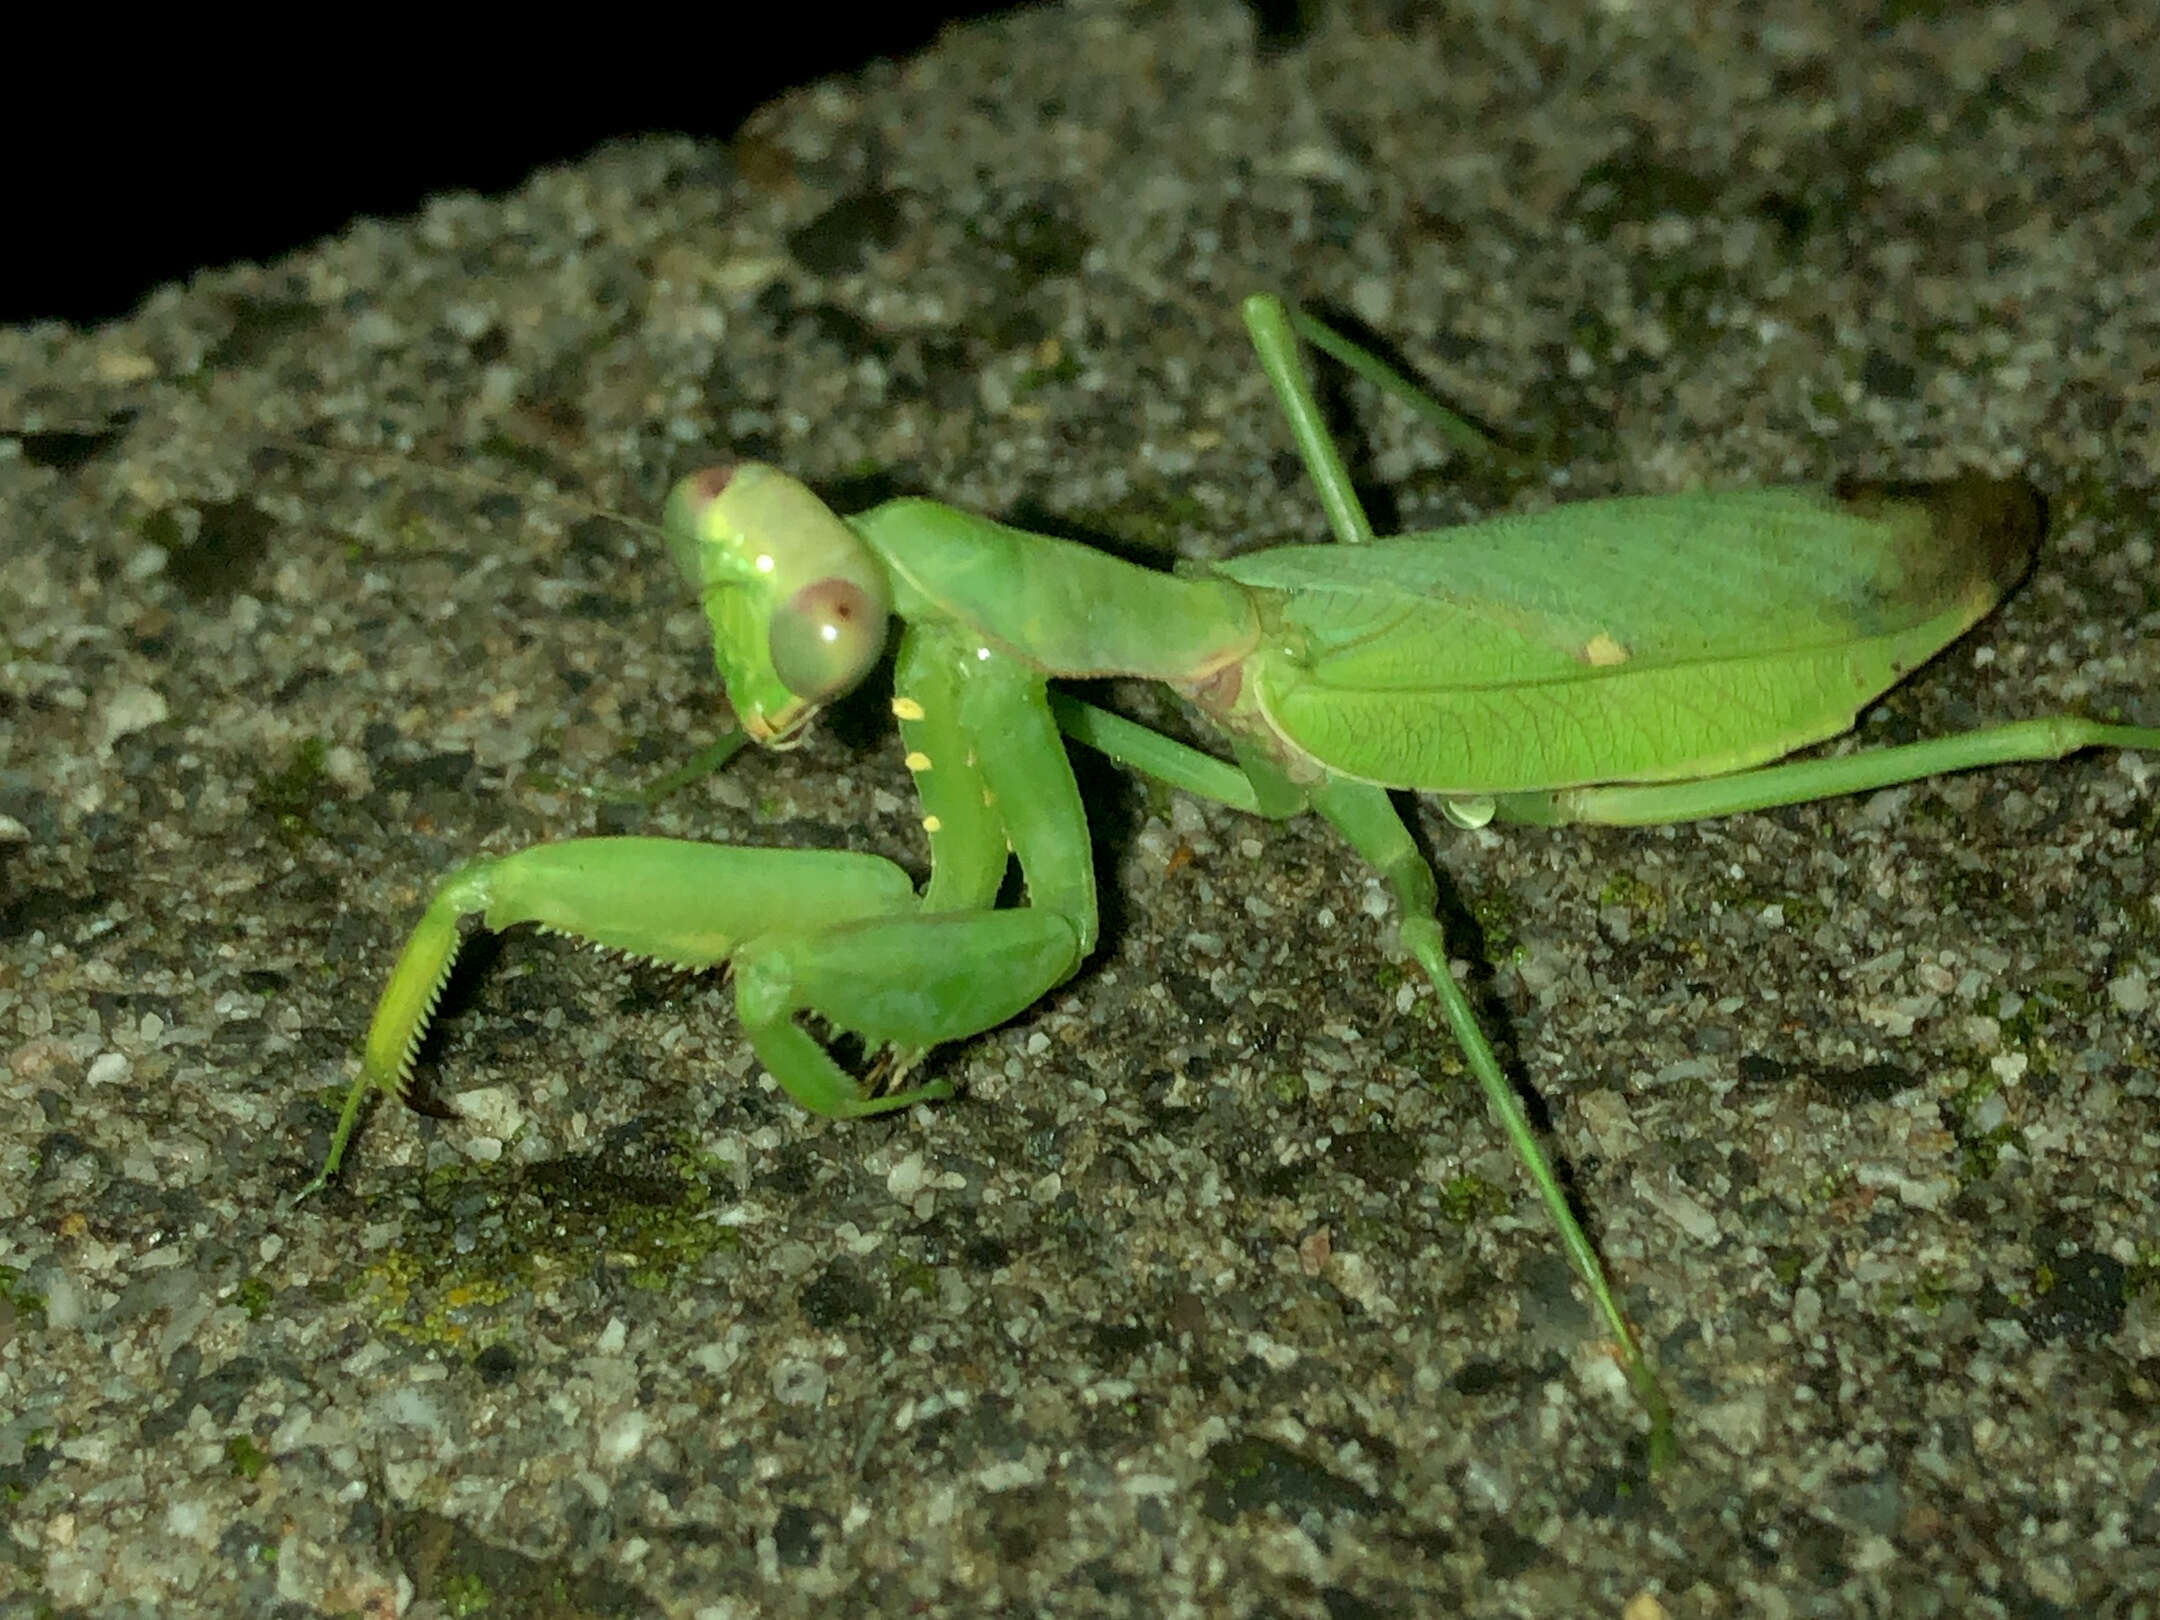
1626,661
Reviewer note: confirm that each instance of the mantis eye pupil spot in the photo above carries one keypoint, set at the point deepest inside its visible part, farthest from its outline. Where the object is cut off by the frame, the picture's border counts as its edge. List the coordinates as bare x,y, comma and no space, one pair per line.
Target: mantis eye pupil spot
825,637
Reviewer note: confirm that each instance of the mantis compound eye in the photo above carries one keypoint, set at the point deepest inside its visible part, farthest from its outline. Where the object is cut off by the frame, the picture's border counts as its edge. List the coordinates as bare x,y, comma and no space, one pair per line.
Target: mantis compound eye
825,638
683,522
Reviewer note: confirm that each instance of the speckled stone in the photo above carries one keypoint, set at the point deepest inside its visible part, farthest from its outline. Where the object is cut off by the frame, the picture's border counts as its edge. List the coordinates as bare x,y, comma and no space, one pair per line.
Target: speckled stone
1213,1293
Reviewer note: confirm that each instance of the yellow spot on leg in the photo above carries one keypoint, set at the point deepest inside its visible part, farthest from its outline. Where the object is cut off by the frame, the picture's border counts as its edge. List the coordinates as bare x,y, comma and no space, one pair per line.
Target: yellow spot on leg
918,762
931,824
906,708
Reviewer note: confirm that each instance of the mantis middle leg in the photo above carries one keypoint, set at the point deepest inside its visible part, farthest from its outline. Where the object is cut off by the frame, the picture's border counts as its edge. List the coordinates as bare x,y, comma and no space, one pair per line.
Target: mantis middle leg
1366,817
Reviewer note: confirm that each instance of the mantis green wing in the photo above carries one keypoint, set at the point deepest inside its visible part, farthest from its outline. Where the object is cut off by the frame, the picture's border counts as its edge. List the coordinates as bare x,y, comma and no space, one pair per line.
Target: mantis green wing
1646,640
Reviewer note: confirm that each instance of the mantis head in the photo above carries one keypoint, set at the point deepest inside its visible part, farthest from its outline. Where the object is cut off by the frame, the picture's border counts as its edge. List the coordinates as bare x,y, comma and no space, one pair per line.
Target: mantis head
798,605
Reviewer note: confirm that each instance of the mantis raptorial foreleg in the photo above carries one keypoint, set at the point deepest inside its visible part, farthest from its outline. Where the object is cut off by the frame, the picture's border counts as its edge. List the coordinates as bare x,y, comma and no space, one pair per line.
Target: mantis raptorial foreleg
840,935
993,780
689,905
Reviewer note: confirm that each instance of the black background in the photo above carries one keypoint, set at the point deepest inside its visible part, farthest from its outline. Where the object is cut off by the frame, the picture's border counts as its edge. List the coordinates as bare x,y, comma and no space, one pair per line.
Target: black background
156,158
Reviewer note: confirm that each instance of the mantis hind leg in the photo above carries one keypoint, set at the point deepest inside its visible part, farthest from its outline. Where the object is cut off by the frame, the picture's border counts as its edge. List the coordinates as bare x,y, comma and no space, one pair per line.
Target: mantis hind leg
1652,803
